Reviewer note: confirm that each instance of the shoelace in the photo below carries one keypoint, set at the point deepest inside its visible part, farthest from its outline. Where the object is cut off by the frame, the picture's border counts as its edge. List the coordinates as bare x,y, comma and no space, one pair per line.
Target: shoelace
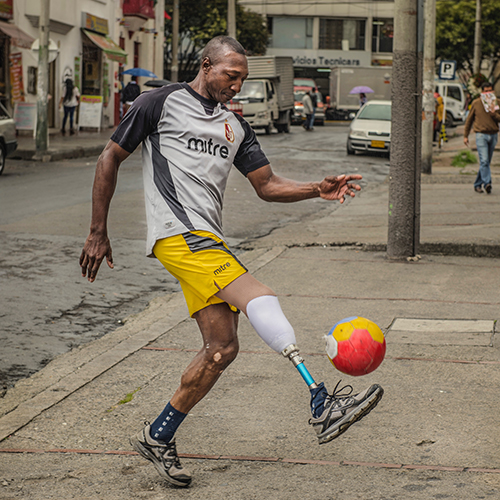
338,399
171,453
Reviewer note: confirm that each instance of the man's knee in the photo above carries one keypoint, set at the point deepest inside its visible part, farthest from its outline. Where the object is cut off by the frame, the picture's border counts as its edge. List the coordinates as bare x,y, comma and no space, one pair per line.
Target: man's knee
220,355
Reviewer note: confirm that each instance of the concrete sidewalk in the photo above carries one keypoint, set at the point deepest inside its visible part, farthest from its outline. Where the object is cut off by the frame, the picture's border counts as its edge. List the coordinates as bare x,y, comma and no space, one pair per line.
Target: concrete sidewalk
66,147
65,430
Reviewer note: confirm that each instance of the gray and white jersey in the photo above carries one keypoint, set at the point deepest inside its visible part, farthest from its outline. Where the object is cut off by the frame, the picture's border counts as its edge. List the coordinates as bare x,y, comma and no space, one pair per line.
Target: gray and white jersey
189,146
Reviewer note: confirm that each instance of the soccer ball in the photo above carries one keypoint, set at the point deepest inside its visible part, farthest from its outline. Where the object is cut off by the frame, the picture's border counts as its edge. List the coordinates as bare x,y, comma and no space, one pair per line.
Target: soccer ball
355,346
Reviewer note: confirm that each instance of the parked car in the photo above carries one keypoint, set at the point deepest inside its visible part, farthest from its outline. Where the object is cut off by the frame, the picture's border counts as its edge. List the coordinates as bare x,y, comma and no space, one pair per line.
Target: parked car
8,141
370,130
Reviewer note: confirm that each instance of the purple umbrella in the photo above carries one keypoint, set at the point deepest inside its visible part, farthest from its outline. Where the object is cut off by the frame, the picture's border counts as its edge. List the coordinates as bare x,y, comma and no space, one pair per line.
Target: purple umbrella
362,89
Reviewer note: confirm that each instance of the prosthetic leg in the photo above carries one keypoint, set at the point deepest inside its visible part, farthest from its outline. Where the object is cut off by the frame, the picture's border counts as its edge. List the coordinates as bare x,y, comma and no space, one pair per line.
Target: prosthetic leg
292,353
270,323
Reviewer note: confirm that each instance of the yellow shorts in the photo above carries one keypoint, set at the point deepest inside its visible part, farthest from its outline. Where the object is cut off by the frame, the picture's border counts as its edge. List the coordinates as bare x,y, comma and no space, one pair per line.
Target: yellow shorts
202,263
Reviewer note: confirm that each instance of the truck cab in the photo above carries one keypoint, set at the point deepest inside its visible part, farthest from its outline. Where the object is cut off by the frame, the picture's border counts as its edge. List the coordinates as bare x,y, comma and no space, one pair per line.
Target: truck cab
259,102
453,94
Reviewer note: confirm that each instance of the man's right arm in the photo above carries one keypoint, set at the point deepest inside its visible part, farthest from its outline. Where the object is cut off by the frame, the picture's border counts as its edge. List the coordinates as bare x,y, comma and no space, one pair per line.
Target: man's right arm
468,125
97,246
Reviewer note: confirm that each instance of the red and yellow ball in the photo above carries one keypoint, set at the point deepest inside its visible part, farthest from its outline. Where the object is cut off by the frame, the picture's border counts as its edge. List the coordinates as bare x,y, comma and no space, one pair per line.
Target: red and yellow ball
355,346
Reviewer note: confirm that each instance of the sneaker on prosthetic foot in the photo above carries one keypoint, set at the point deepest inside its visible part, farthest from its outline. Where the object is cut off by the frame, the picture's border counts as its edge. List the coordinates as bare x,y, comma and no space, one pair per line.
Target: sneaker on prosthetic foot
340,411
163,455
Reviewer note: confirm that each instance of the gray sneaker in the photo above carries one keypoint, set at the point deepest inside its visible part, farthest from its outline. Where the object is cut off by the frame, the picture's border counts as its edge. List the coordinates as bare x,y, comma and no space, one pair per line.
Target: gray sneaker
341,411
163,455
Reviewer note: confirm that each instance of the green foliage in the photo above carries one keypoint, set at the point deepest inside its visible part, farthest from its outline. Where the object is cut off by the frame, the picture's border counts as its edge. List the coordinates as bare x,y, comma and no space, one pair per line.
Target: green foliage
200,21
455,24
463,158
125,400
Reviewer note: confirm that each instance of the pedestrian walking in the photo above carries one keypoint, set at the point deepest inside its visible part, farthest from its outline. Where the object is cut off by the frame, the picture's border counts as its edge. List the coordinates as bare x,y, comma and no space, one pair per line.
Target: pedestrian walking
438,117
190,140
70,100
308,110
129,94
362,99
483,119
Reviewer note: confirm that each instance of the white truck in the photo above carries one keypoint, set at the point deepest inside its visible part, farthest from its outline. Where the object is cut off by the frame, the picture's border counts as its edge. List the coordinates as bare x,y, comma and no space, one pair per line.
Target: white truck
379,79
343,80
266,97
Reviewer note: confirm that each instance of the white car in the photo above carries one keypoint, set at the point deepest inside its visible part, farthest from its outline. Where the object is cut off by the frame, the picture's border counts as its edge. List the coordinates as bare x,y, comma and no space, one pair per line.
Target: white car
370,130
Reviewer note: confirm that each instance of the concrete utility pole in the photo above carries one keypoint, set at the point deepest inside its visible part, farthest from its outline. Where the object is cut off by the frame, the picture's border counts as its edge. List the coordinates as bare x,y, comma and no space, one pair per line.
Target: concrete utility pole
477,39
404,176
42,129
428,84
174,72
231,18
159,56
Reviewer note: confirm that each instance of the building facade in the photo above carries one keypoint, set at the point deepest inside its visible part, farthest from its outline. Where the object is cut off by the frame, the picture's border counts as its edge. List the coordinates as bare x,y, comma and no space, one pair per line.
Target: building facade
92,42
322,34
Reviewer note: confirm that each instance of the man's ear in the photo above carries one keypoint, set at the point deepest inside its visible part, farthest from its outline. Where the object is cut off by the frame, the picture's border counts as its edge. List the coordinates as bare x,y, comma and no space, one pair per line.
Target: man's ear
206,65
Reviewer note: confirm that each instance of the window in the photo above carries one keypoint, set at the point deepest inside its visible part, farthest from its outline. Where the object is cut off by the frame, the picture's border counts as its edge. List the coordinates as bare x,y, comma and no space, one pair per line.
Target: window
454,92
290,32
342,34
383,34
375,112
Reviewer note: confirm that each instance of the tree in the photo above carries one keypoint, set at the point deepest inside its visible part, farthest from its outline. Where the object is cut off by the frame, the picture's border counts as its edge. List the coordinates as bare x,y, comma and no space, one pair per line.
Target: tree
455,25
200,21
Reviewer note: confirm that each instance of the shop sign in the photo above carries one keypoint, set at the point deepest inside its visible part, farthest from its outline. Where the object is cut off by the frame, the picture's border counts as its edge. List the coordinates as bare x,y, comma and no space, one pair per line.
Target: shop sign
324,58
6,9
16,77
25,115
94,23
90,111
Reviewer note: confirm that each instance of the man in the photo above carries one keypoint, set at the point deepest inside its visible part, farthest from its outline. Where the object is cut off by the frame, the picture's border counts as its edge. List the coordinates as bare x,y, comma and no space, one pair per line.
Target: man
483,119
190,141
130,93
308,110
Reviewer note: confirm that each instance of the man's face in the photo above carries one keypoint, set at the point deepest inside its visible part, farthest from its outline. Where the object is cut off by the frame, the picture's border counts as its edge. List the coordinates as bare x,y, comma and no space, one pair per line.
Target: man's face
487,89
224,78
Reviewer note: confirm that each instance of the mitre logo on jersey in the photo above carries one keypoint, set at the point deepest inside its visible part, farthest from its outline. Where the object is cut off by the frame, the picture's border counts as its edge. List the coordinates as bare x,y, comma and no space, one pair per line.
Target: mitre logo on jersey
229,132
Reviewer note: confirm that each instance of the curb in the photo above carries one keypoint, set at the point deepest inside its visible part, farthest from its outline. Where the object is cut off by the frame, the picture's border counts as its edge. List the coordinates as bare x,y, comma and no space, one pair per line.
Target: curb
446,248
57,154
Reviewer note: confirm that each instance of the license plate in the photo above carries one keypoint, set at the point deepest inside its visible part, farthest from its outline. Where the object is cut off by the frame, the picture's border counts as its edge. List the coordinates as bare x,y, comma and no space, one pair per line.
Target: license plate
378,144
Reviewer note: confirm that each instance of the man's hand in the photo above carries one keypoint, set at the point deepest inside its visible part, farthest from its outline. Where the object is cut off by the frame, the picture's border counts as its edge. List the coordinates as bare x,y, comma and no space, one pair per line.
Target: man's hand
466,141
337,187
93,253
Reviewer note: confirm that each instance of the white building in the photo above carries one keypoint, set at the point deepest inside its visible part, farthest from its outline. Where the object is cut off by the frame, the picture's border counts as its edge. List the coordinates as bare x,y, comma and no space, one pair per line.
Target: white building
95,39
319,34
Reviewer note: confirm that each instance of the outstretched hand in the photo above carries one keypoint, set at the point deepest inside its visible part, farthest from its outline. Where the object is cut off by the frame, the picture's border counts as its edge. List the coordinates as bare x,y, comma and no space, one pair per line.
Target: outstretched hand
96,248
338,187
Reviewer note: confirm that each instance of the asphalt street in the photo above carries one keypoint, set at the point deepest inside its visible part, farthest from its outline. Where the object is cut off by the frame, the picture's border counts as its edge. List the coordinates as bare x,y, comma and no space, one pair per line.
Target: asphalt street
48,309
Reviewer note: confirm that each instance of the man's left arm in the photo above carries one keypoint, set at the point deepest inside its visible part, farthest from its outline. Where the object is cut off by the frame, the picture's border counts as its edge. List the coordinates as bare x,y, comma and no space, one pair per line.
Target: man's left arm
272,187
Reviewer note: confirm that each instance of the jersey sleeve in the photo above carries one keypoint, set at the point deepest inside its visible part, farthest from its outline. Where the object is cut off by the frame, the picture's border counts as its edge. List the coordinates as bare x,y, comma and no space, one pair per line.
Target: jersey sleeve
250,156
141,119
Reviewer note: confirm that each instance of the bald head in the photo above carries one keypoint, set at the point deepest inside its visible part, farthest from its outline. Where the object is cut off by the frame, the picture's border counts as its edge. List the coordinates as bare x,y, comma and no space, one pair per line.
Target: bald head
219,46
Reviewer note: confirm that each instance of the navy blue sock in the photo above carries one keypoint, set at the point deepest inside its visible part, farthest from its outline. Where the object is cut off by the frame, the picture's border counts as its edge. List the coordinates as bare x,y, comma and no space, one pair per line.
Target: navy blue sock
318,396
164,427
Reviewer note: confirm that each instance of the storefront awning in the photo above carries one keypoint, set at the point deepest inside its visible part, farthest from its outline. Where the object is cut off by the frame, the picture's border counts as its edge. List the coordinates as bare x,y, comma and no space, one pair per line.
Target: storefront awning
108,46
17,36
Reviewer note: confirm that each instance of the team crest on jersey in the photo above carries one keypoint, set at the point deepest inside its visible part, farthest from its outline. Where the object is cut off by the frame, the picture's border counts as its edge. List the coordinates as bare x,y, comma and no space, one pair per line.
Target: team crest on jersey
229,132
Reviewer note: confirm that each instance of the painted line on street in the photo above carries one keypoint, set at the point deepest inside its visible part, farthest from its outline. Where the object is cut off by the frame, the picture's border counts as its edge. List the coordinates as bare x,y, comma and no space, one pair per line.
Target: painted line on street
392,358
240,458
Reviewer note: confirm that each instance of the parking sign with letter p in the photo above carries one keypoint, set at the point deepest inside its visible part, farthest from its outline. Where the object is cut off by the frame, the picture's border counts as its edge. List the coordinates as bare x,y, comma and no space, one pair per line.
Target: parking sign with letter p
447,70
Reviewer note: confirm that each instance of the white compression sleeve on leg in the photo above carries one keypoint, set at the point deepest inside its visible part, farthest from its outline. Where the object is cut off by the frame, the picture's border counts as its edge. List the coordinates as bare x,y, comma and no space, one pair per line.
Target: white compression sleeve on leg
270,323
